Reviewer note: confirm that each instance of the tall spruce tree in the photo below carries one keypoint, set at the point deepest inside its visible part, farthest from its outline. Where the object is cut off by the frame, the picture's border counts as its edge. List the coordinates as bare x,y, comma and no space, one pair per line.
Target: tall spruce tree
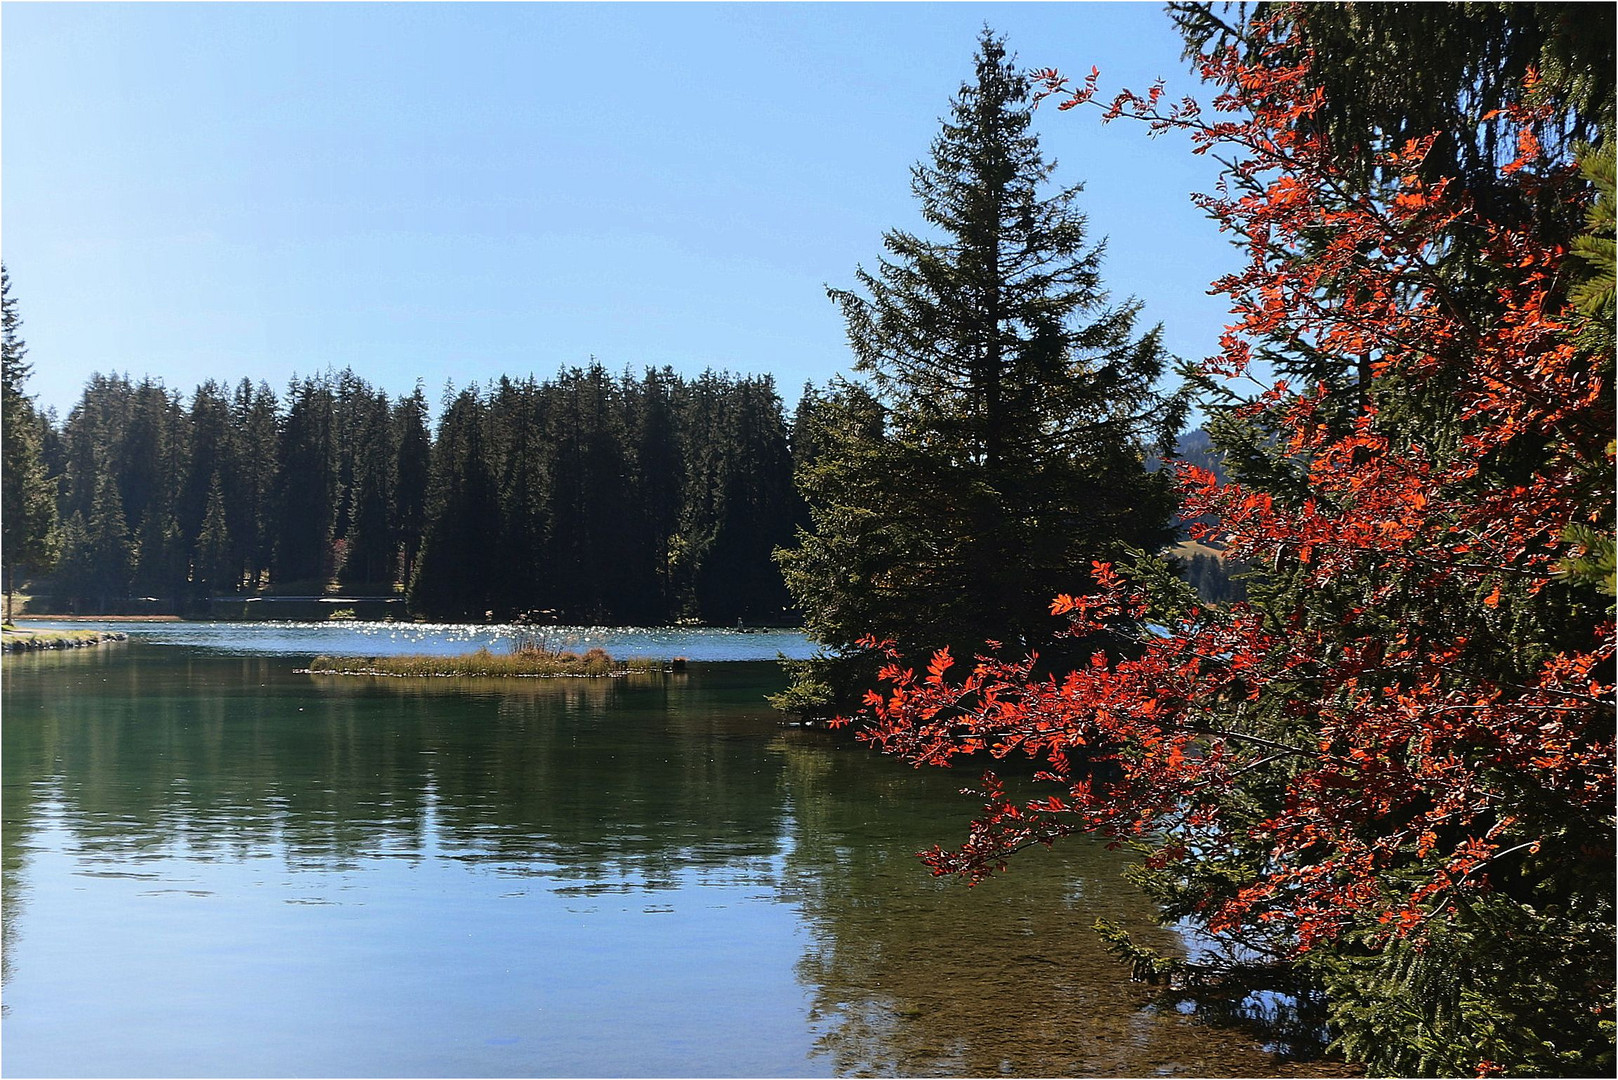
520,459
371,550
457,574
999,446
751,503
661,477
214,567
250,487
411,474
28,515
98,559
305,506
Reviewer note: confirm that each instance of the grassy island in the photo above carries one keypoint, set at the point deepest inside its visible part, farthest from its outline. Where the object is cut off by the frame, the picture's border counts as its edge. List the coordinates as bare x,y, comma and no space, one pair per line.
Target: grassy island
521,663
16,640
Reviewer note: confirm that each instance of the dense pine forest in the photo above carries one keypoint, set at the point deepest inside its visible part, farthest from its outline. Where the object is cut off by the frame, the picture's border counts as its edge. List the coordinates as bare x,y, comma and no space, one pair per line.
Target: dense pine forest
585,498
588,497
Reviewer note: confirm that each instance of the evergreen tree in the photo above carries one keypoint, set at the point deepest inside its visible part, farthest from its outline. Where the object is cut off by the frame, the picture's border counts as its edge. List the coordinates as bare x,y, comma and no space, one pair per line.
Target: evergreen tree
91,439
411,473
72,562
212,453
306,489
28,515
371,551
161,566
215,566
590,498
97,557
1009,412
148,454
1390,72
701,466
249,488
520,459
1213,580
135,436
805,423
459,573
753,509
660,477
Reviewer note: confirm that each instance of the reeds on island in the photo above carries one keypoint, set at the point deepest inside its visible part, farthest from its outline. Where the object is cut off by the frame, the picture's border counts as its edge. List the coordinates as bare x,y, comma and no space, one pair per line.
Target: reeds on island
521,662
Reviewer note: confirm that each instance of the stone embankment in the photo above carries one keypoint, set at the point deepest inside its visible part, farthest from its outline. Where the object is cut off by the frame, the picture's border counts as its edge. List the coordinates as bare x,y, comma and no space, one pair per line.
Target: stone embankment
24,640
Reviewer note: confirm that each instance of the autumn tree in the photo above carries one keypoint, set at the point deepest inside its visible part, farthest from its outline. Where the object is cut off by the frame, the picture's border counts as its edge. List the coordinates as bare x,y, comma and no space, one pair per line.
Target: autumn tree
998,443
1390,774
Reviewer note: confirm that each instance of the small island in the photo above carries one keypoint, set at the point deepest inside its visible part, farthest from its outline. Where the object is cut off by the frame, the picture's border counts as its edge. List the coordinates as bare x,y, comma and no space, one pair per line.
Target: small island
13,639
519,663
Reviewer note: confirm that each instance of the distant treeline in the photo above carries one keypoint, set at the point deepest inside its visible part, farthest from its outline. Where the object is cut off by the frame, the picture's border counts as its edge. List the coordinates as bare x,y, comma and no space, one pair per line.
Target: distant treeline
591,496
1203,567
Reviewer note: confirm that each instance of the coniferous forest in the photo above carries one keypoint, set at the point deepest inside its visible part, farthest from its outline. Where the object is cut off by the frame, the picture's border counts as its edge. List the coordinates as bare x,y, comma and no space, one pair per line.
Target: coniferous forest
588,497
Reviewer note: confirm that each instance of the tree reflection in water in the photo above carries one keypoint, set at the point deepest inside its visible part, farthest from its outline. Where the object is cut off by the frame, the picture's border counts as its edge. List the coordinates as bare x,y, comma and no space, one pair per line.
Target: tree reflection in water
913,975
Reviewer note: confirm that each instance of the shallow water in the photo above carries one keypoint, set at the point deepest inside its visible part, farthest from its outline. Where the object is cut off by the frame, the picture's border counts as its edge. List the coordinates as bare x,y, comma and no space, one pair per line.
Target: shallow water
216,866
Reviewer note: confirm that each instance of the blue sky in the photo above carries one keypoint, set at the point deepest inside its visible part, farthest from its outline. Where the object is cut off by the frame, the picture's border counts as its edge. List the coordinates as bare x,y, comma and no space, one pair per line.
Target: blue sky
459,191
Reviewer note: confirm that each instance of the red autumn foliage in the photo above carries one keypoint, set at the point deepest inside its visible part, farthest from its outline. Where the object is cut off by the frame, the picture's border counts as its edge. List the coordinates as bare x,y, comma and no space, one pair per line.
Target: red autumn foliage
1404,758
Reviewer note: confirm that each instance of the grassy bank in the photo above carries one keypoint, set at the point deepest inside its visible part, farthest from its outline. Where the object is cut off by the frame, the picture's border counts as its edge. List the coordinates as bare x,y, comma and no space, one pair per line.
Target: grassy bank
525,664
15,640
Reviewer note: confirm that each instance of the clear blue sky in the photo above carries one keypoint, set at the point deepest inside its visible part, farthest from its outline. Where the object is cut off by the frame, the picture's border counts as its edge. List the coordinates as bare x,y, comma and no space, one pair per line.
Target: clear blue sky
460,191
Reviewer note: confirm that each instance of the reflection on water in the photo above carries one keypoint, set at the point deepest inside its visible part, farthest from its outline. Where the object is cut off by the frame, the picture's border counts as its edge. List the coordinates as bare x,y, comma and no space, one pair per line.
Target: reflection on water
215,866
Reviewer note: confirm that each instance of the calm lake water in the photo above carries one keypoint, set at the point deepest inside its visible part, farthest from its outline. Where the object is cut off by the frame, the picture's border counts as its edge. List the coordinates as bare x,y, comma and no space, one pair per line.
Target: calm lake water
215,866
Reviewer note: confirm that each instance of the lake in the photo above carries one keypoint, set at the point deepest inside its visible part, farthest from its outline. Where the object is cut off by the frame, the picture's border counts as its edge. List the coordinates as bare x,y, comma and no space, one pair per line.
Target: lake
214,865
